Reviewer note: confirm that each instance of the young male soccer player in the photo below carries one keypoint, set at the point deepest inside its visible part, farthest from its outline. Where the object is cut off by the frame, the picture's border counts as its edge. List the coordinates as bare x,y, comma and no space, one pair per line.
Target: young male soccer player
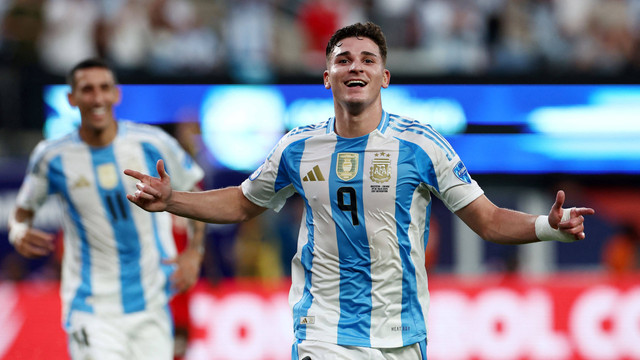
367,178
119,267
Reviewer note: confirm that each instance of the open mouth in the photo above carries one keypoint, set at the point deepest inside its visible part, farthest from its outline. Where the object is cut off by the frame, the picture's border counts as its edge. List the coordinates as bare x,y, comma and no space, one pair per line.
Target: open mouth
355,83
99,111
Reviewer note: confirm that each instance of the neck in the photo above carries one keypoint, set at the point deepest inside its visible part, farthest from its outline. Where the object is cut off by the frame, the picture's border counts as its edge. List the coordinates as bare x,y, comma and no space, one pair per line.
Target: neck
351,124
98,137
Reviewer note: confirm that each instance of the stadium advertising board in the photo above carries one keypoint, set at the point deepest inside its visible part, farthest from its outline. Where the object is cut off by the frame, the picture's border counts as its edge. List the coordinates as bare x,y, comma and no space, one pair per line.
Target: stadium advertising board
562,317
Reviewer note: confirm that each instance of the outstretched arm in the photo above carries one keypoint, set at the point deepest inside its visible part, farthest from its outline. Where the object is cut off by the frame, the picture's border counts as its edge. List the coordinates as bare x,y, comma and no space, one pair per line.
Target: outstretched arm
220,206
506,226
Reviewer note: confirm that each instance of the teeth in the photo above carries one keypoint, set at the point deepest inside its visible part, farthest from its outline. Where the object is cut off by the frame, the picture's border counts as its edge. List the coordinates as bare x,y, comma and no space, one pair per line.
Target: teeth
99,111
355,83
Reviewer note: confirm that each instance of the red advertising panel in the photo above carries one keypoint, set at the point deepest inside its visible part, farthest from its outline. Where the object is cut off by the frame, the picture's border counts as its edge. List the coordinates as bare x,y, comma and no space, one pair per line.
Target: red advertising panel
572,316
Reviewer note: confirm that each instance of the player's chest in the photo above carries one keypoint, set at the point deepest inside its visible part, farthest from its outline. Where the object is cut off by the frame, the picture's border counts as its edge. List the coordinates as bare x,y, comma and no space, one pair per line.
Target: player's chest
84,170
372,171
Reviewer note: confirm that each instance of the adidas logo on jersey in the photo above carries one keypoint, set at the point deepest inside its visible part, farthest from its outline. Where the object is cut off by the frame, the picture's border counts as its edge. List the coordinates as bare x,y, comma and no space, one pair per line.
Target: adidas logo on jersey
307,320
81,182
314,175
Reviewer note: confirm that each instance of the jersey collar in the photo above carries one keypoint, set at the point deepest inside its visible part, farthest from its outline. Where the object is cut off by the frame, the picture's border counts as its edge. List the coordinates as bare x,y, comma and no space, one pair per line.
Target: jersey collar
382,126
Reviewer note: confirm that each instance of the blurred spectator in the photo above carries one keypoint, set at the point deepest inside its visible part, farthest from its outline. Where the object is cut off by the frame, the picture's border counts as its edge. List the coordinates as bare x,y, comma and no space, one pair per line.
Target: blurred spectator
258,40
129,35
515,49
621,252
69,33
451,34
249,39
318,20
21,28
180,40
396,18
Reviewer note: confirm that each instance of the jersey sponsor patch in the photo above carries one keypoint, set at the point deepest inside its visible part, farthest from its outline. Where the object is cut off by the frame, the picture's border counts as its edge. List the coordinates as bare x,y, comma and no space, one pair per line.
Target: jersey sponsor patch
347,166
461,172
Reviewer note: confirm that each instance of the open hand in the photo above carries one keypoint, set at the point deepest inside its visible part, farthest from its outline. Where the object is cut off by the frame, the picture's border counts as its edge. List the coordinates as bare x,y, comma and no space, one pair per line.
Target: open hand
187,271
35,243
153,193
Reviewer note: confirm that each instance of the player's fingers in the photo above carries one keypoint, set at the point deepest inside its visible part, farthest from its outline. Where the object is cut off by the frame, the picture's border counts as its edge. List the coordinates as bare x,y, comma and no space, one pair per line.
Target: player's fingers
173,260
175,277
161,171
560,196
31,249
133,199
40,239
144,196
148,189
134,174
45,236
571,222
178,283
574,227
39,243
582,211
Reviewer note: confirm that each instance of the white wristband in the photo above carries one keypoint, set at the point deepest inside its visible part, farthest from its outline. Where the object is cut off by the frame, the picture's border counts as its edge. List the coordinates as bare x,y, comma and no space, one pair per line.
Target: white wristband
545,232
17,232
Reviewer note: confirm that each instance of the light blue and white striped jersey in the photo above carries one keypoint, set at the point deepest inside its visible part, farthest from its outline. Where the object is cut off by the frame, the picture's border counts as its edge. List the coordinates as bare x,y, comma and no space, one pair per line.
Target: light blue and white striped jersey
112,249
359,277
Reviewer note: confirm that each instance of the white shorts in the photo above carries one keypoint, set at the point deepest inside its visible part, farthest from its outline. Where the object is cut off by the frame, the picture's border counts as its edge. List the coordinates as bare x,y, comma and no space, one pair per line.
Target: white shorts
319,350
141,335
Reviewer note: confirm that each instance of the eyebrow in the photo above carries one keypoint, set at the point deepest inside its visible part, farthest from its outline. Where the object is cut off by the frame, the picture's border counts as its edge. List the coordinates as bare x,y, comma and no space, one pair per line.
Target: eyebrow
367,53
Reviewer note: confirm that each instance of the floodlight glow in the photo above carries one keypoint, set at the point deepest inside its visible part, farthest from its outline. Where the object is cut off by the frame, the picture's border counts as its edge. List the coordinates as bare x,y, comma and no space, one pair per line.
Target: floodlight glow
306,111
446,115
590,119
625,95
240,124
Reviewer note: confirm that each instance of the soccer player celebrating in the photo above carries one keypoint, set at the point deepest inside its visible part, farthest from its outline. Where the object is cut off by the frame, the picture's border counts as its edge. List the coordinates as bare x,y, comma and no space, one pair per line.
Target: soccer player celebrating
367,178
119,267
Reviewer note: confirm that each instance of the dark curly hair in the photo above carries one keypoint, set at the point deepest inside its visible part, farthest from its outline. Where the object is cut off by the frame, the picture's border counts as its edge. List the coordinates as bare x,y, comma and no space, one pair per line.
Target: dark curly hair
360,30
85,64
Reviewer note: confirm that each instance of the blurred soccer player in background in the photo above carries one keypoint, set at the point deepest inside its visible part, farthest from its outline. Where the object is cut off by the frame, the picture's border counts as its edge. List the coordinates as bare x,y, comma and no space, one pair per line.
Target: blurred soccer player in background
119,267
367,178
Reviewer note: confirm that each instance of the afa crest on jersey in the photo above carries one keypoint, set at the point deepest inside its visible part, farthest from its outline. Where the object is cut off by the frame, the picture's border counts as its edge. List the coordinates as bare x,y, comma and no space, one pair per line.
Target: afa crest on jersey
380,170
347,166
107,176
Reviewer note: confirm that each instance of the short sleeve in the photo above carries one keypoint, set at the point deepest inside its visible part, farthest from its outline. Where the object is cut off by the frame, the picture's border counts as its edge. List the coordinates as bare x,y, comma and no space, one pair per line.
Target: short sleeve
270,185
35,187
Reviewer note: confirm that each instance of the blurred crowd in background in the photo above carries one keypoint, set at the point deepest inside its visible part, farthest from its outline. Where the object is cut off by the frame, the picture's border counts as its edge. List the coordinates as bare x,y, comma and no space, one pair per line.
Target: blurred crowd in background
264,40
255,40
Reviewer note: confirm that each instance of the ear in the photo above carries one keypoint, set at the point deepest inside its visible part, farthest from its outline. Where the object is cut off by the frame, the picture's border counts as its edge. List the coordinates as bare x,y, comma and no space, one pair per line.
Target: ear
71,99
325,77
386,78
118,95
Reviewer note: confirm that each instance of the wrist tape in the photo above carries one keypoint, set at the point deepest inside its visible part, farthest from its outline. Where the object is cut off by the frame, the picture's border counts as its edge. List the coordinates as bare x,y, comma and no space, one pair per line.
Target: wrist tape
17,232
545,232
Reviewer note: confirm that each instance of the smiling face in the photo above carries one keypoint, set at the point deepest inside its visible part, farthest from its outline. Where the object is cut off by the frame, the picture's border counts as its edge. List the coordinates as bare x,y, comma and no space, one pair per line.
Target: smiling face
94,93
355,74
